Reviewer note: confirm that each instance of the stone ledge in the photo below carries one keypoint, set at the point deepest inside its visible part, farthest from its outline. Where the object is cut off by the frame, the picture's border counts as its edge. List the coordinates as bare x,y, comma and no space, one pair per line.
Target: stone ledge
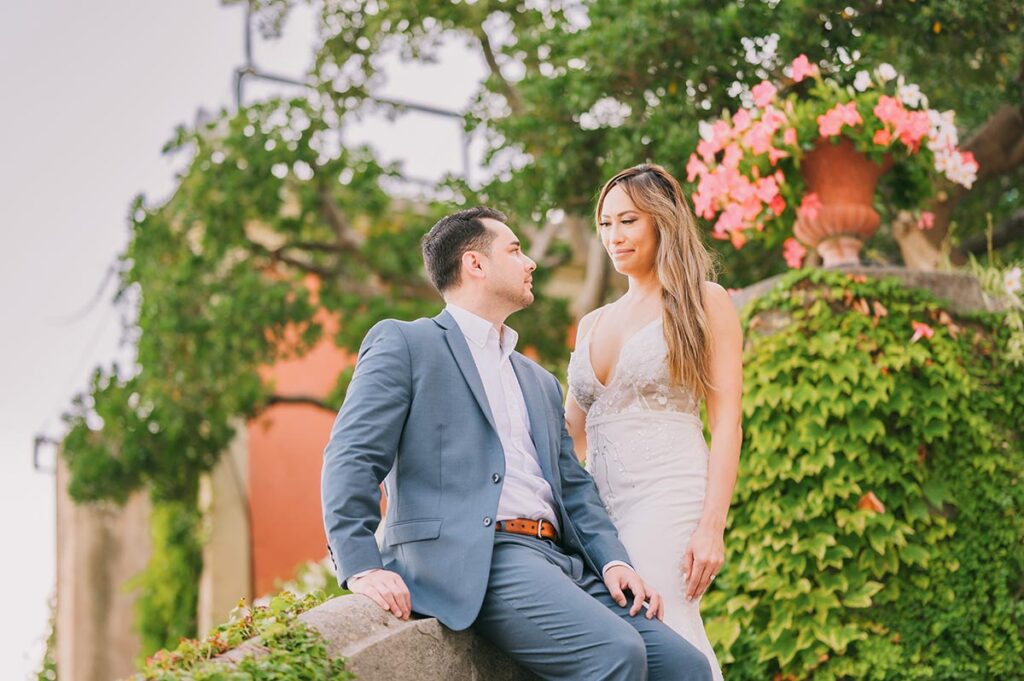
380,647
960,290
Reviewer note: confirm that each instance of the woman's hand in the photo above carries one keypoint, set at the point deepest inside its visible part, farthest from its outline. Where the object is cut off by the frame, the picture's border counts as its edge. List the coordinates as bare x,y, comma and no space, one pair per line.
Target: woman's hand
703,559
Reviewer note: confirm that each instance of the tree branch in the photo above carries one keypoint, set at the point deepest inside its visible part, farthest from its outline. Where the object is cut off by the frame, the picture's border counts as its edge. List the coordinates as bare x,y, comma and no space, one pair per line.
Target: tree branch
301,399
540,241
511,94
339,225
277,255
595,281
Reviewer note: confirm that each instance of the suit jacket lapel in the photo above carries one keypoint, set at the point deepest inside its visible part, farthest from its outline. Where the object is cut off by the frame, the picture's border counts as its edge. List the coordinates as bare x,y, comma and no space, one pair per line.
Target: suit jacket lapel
539,417
460,351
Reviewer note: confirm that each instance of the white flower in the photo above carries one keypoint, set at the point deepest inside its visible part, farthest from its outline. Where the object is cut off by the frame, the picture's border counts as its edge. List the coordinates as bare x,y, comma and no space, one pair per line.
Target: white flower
1011,280
862,81
912,96
606,112
704,129
942,137
886,72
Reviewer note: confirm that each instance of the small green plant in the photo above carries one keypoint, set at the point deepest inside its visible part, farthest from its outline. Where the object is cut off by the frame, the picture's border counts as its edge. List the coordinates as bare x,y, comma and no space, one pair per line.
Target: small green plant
1003,284
290,648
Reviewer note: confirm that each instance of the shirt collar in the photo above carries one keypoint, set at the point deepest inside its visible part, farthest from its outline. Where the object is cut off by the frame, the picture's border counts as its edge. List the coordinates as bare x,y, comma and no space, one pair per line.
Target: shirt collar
479,331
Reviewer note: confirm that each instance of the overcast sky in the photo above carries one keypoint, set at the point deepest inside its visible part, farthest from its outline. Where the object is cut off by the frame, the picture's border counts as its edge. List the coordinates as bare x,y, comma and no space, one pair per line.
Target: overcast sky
89,93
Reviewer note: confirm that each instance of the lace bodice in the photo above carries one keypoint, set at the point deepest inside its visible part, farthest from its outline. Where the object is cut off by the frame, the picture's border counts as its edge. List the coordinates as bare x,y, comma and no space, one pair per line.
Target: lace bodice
639,382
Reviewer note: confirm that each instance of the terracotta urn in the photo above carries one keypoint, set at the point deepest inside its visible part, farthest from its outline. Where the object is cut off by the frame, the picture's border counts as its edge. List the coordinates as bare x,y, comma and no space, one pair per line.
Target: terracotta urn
844,180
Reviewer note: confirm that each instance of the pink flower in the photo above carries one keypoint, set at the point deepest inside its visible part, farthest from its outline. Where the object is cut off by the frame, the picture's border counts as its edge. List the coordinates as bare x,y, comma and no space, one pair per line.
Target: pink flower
741,120
777,205
738,239
969,162
706,150
829,123
733,156
767,189
694,168
882,138
809,206
759,138
775,154
752,208
802,67
921,330
703,205
833,120
849,115
764,93
889,110
793,252
730,219
720,134
789,137
927,220
912,128
773,118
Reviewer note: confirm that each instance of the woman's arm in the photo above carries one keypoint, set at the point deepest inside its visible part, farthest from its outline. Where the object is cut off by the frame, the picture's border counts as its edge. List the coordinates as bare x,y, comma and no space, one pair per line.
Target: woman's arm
575,417
706,552
575,423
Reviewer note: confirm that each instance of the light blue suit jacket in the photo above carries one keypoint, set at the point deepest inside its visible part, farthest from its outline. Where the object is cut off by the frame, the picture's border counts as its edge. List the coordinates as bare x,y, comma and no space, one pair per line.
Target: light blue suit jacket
416,417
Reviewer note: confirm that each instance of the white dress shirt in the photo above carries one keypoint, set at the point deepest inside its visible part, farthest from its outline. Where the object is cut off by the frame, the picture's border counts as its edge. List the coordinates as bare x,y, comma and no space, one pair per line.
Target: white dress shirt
525,494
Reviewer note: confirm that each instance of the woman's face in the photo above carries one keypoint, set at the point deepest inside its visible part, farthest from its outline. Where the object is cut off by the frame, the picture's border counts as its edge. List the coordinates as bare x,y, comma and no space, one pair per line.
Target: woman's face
628,234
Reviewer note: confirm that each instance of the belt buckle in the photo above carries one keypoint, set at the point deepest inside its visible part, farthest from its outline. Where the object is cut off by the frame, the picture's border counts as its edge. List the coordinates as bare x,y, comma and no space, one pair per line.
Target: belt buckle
540,528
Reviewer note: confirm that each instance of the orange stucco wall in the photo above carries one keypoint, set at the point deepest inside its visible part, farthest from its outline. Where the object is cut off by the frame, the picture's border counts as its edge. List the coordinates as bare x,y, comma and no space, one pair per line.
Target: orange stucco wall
286,445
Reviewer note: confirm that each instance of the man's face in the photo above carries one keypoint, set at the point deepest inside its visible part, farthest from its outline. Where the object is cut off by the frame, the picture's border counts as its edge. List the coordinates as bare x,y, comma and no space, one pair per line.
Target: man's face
509,271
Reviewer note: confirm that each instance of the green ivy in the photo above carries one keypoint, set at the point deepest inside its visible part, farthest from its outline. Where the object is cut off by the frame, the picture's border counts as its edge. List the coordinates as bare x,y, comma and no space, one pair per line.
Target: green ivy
878,525
290,649
169,585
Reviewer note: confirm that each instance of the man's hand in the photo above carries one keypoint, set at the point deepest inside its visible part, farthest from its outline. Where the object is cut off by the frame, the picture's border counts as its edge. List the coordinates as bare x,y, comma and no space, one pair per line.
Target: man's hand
620,578
387,589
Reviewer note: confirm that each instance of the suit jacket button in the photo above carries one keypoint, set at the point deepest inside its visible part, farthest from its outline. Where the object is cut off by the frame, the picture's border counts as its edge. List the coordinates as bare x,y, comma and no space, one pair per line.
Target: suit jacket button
487,521
495,478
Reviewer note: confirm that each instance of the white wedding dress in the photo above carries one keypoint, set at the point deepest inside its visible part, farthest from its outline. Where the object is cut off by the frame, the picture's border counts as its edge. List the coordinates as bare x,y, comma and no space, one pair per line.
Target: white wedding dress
647,454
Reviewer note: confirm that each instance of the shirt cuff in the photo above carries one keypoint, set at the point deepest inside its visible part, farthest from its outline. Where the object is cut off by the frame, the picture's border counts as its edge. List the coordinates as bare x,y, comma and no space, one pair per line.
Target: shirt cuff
611,564
360,575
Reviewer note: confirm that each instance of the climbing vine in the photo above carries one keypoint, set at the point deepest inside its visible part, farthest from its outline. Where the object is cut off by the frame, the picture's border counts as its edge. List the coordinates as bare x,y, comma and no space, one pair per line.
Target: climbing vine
878,525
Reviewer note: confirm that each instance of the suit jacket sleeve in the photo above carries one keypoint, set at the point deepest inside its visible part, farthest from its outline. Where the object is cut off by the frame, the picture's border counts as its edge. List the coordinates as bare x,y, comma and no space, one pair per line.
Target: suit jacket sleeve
582,503
362,449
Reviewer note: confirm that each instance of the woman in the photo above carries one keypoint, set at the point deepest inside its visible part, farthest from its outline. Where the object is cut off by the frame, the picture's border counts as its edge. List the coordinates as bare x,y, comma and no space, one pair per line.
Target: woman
641,367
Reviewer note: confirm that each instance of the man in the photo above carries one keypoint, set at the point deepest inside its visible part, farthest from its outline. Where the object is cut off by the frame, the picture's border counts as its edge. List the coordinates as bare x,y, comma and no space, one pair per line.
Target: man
491,520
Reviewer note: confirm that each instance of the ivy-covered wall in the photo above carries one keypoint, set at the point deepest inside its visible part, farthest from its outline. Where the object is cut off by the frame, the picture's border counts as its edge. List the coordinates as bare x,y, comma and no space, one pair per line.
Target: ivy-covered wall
878,526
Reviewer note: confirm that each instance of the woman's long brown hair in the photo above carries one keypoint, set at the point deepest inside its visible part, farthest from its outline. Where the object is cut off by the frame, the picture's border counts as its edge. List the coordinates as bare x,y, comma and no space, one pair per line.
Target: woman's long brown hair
683,264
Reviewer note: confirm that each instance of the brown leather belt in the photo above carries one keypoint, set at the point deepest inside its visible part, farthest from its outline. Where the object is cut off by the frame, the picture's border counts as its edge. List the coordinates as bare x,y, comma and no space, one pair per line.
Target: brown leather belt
541,529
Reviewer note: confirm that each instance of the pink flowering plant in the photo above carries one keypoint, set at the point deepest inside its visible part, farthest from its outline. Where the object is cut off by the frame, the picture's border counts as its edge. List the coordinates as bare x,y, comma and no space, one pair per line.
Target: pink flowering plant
746,166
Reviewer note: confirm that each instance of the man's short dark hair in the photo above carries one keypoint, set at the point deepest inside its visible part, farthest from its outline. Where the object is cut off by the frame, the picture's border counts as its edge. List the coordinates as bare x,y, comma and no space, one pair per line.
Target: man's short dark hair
453,235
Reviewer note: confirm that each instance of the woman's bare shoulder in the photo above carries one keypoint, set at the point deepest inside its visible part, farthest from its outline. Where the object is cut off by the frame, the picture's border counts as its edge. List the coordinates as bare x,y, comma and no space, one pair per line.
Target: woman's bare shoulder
587,321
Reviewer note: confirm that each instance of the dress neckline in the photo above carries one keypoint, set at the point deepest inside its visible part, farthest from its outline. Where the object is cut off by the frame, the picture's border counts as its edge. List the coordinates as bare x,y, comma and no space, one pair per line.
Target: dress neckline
622,350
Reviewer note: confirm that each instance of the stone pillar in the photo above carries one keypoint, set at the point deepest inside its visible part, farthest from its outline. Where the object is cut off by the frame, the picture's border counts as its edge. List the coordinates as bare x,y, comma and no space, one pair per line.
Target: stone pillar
100,547
227,551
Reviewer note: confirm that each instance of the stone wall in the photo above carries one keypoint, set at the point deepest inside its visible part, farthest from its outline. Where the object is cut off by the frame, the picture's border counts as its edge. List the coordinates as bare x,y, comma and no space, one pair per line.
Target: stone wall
100,547
380,647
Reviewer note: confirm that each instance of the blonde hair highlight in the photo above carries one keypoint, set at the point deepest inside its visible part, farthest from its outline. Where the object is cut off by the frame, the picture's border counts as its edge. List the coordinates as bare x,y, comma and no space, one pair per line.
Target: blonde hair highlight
683,263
